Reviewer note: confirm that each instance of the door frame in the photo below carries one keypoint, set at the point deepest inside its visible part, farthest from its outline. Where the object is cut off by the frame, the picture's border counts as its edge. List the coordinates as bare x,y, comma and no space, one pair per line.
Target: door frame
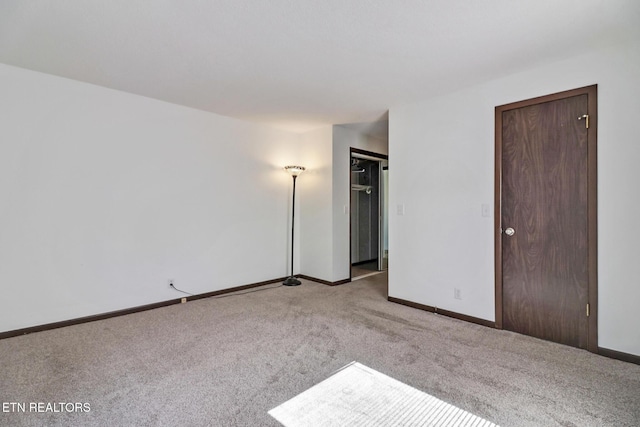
365,154
592,203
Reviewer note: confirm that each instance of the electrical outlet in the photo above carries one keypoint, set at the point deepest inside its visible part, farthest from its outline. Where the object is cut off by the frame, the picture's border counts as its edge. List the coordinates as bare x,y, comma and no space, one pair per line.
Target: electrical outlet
183,300
457,293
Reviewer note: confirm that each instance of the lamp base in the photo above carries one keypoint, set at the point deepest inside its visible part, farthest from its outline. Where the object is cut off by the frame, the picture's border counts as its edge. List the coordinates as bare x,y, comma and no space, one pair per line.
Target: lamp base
292,281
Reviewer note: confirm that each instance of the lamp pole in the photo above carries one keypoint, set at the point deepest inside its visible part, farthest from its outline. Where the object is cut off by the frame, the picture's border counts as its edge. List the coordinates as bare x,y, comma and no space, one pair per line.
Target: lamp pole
294,171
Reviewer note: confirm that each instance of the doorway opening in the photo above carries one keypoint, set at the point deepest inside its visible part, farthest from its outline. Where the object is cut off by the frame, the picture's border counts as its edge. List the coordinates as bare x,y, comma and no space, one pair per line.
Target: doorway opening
369,252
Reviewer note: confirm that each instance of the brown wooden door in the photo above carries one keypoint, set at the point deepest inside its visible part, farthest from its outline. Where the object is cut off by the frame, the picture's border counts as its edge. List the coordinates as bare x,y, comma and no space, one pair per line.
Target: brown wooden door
545,202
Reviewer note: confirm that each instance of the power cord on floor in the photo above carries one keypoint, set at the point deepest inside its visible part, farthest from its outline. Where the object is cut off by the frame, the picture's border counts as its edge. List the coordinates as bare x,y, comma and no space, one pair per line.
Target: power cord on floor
231,294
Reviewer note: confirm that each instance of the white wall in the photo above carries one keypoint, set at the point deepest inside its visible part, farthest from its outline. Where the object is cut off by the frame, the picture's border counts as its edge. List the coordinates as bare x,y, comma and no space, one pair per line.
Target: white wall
441,158
107,195
315,204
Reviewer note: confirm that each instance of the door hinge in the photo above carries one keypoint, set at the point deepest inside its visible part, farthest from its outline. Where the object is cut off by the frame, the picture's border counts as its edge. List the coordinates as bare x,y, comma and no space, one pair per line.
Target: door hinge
586,120
587,310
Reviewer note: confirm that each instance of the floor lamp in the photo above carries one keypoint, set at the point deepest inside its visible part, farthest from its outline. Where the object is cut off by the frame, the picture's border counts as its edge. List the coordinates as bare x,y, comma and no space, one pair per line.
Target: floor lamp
294,171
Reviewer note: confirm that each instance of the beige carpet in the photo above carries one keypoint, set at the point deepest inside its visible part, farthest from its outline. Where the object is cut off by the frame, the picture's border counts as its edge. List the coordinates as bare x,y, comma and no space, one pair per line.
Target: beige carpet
358,396
228,361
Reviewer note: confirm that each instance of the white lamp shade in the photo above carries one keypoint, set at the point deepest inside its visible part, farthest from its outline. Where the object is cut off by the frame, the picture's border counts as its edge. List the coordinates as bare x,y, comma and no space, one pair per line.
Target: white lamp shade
294,170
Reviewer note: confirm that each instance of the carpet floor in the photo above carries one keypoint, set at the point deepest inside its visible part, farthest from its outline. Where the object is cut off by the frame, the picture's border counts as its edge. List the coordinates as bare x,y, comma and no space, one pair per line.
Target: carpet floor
228,361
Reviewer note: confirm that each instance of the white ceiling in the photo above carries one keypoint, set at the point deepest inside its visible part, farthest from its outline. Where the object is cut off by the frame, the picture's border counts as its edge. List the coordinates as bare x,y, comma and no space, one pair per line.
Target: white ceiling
299,64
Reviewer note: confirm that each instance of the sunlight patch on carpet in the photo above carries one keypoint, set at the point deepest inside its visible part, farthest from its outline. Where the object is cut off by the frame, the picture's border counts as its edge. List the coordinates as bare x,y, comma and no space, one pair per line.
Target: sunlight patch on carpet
360,396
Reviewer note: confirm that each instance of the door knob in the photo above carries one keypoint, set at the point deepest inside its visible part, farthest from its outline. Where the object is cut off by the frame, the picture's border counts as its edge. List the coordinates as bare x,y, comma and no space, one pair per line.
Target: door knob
509,231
